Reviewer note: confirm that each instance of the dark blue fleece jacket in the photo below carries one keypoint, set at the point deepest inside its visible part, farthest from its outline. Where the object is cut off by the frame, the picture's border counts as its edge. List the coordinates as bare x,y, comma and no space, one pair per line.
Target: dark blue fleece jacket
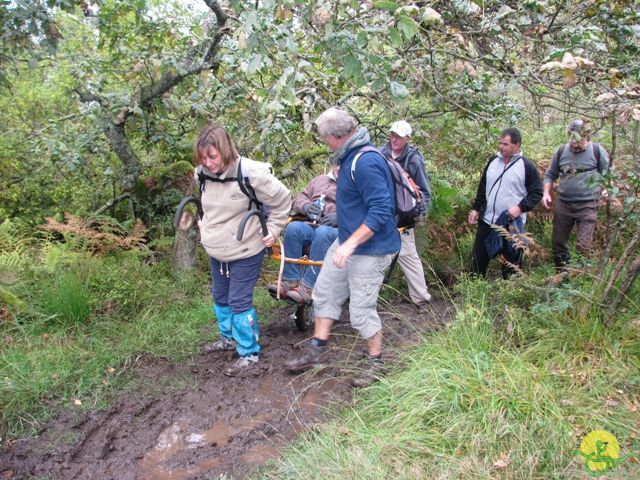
367,198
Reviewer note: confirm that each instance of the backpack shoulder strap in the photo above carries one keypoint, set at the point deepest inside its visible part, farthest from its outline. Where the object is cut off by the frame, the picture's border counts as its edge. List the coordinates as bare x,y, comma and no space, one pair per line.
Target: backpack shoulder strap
245,186
596,154
203,178
559,152
363,150
405,164
497,180
242,178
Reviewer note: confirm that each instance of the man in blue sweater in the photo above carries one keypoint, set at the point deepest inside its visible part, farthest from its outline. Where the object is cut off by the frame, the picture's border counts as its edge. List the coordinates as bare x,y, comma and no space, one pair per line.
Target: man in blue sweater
367,242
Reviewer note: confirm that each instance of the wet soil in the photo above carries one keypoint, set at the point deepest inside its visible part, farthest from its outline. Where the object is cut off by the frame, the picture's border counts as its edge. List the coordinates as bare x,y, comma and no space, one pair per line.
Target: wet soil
189,421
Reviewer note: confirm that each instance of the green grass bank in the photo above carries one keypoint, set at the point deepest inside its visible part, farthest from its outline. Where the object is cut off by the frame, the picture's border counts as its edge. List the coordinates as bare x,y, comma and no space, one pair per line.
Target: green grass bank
508,390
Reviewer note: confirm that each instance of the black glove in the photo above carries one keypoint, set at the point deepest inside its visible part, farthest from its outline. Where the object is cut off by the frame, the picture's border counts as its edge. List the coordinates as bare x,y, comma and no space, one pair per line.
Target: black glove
330,220
312,210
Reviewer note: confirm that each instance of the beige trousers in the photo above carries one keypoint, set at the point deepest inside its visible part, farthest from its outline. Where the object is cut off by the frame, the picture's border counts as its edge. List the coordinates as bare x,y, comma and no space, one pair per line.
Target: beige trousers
411,265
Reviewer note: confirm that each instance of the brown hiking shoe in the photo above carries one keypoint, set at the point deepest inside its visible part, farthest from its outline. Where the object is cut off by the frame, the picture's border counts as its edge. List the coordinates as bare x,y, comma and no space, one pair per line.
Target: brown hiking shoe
311,357
242,364
301,294
220,345
423,306
370,373
285,286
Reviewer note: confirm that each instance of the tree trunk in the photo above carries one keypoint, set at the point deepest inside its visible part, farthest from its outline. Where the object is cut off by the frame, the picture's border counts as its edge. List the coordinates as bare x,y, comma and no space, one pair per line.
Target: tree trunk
120,144
185,243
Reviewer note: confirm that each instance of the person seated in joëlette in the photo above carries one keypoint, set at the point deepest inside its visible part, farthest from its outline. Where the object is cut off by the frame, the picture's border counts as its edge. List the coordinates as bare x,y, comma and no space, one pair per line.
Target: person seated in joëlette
315,232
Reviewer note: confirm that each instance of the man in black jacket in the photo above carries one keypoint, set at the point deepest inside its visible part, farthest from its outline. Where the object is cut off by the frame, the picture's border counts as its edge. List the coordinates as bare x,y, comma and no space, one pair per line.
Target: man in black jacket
510,184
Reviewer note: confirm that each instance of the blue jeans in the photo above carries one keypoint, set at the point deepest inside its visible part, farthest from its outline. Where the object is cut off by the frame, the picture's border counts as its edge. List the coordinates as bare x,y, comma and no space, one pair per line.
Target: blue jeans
299,235
233,282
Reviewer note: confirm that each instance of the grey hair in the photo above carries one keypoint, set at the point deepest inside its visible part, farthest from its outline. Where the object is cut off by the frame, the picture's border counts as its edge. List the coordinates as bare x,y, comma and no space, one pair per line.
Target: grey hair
335,122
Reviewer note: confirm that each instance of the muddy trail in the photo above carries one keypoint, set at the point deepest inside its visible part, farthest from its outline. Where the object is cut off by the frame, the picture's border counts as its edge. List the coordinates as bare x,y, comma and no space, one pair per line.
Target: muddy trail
189,421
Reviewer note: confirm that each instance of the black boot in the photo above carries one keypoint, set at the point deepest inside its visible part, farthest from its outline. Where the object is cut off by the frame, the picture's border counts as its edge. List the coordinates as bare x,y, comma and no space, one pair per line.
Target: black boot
561,260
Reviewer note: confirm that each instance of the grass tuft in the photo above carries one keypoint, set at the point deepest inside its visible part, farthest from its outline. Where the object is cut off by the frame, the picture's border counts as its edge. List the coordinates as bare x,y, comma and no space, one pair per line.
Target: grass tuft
66,299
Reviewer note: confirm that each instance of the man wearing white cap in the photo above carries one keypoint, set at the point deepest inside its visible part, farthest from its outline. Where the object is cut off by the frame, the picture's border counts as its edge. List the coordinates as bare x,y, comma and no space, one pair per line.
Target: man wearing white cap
410,158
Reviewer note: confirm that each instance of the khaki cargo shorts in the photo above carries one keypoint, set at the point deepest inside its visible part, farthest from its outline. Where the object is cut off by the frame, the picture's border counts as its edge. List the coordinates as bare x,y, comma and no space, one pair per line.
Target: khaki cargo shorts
360,281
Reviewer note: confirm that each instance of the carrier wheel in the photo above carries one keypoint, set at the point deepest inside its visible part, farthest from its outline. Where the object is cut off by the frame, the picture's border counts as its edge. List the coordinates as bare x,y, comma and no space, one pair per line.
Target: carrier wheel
303,317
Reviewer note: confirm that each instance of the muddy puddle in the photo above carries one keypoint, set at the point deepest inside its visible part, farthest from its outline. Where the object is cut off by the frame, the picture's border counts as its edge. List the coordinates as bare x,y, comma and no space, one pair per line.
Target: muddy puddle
178,439
213,424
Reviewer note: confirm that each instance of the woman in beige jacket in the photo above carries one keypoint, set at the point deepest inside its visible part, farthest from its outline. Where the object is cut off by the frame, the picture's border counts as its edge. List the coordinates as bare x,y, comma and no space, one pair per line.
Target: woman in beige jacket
236,264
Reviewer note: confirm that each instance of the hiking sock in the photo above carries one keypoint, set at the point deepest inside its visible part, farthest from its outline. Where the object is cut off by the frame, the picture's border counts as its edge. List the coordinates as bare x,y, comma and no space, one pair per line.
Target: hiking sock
318,343
376,358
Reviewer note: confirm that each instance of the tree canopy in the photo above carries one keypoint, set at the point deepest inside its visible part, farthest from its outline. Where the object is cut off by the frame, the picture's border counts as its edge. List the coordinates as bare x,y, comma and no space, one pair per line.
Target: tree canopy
101,100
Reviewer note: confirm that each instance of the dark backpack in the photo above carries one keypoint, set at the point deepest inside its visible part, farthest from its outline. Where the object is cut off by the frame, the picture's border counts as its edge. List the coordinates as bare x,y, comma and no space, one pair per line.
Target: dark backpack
408,197
243,183
596,153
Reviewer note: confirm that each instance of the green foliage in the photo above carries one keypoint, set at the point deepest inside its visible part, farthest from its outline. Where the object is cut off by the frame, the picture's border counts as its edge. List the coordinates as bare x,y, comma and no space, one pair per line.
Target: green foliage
53,254
123,289
172,172
17,234
446,200
464,246
16,241
46,159
489,385
29,30
385,5
460,70
8,299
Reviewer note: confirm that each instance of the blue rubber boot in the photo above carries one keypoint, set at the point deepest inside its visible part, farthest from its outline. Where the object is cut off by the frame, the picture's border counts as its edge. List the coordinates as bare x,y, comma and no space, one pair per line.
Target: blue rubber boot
223,314
226,341
246,332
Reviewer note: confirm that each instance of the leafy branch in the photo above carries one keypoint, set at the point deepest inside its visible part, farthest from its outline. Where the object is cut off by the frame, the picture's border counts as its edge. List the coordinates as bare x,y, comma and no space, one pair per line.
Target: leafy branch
114,125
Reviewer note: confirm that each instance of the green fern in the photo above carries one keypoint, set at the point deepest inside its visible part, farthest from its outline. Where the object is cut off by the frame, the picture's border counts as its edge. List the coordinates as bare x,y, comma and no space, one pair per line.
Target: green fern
8,298
15,233
14,260
52,255
7,236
